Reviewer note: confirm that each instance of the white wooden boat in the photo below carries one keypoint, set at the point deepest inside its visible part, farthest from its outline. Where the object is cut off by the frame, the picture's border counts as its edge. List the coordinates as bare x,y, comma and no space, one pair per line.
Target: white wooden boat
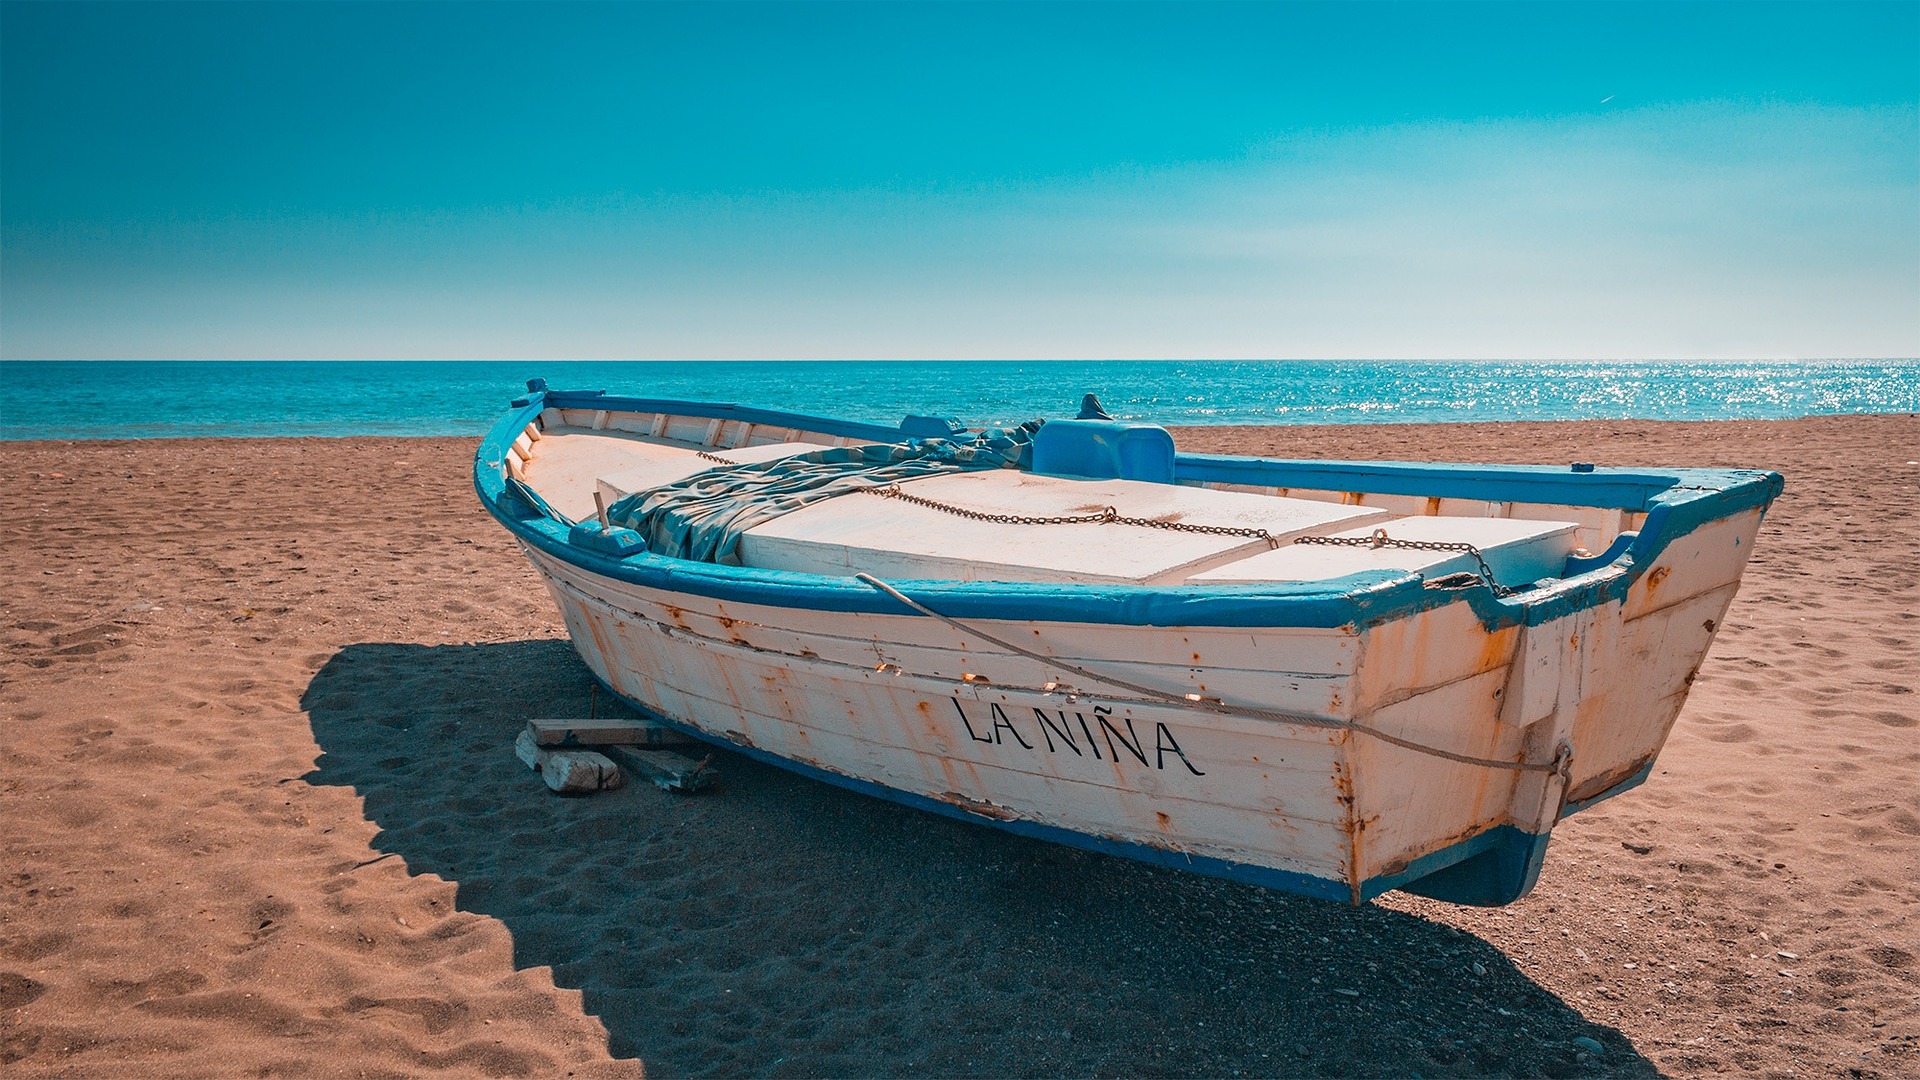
1244,699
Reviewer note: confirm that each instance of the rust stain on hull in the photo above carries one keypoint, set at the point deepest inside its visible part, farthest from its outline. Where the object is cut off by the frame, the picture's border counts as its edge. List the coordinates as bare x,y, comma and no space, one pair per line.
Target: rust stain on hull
1439,844
976,806
1350,824
1496,650
931,726
1589,788
1648,586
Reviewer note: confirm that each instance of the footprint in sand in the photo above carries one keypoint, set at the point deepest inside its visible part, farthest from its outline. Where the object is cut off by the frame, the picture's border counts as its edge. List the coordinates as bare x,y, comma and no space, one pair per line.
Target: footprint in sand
1902,821
16,990
1887,956
173,983
268,917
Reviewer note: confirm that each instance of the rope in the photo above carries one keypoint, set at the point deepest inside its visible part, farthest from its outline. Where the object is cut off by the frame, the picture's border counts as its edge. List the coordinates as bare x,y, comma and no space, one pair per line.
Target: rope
1561,764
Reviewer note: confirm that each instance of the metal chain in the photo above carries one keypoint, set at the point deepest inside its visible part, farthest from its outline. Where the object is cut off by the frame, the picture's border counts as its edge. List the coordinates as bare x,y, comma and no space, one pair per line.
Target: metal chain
1108,516
1112,516
714,457
1380,539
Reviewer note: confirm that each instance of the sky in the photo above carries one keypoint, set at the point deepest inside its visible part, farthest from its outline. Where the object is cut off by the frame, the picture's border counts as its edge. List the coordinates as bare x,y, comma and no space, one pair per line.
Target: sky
1085,180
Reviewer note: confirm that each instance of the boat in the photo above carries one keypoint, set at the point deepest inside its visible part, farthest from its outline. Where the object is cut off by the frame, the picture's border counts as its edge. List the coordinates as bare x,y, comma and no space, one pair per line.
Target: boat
1336,678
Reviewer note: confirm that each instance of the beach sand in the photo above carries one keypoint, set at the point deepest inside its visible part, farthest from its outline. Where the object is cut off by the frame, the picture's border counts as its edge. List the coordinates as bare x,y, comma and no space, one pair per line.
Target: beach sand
261,816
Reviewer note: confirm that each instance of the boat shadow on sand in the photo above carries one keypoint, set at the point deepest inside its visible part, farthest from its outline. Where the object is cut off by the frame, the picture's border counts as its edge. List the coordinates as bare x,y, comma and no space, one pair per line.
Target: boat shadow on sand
781,926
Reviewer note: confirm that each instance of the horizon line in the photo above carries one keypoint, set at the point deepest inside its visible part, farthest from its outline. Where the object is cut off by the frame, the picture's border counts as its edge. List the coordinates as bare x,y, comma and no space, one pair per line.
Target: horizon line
964,360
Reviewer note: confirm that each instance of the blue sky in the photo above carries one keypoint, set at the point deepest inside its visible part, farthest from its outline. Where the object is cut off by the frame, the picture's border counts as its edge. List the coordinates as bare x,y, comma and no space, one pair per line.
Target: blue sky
976,180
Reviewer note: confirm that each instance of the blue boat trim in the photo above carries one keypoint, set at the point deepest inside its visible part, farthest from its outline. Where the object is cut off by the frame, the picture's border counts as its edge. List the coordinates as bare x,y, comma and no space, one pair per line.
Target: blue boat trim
1611,489
710,410
1676,502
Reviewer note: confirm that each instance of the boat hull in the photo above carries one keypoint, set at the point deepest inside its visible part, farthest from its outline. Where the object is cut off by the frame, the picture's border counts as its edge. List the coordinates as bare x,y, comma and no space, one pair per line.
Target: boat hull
913,710
1337,739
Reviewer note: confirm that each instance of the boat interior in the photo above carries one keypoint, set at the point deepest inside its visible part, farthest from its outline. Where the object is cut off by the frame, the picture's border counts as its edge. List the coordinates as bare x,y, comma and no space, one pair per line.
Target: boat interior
581,460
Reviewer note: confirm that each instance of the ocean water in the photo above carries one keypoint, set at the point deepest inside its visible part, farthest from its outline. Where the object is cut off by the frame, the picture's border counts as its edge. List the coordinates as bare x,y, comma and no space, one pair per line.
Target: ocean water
163,399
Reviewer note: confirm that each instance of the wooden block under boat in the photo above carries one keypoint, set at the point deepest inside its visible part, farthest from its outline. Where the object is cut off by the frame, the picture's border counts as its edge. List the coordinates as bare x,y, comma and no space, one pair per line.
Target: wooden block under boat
567,771
556,733
667,770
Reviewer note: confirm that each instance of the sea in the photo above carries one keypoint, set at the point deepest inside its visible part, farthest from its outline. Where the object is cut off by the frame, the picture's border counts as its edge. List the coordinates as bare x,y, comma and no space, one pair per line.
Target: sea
157,399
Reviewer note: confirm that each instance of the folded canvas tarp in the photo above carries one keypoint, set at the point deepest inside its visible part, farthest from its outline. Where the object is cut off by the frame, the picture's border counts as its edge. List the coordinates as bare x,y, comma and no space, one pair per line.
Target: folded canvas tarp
703,516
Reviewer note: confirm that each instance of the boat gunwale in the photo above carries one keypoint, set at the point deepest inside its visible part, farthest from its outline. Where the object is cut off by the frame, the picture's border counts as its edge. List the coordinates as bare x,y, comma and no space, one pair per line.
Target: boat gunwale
1675,501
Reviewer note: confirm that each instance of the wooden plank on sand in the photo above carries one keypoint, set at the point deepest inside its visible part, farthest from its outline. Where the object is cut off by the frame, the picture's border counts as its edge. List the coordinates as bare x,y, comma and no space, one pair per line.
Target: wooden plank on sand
567,770
605,733
673,772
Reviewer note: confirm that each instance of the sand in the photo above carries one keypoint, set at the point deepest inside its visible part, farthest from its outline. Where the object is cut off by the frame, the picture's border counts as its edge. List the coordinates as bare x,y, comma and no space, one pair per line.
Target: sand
260,816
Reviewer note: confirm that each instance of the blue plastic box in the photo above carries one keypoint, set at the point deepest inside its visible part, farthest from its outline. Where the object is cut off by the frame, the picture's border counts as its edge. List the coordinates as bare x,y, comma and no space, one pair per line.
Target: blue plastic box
1104,450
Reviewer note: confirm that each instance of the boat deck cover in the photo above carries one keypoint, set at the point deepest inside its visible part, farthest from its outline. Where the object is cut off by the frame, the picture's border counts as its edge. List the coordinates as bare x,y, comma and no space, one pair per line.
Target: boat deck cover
567,466
1516,551
894,539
